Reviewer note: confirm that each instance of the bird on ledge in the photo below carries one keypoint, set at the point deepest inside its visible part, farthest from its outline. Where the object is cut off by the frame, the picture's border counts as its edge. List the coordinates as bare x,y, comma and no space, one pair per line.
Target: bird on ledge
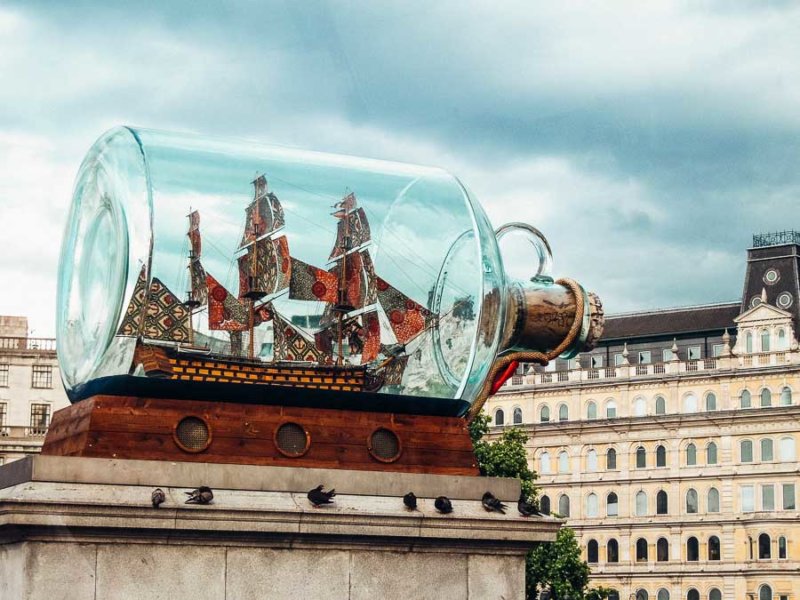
317,497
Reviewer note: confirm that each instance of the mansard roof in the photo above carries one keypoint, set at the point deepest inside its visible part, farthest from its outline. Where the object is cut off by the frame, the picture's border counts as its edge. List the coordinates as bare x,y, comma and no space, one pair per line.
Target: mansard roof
671,321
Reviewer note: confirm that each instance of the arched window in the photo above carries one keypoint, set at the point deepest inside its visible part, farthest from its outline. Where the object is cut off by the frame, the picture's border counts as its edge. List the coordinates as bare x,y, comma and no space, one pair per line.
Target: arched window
544,505
745,399
766,397
639,407
662,550
691,455
641,503
592,552
691,501
692,549
746,451
641,595
611,459
563,413
764,340
713,548
713,501
591,505
766,450
499,417
544,414
662,594
764,546
641,457
693,595
641,550
765,592
690,403
612,505
612,551
662,503
544,463
714,594
517,416
787,449
748,342
611,409
613,595
563,462
782,547
661,405
711,401
563,505
711,454
591,460
661,456
786,397
782,345
591,411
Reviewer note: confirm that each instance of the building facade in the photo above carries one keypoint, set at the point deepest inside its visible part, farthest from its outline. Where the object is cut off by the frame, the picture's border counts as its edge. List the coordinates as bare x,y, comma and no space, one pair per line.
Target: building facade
672,448
30,389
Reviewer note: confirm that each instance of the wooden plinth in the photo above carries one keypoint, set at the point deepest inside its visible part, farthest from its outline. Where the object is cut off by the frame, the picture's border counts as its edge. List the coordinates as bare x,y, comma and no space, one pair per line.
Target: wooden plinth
148,429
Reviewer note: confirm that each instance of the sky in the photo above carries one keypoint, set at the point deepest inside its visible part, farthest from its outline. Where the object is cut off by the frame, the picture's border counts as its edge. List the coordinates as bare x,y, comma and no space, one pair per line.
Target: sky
647,140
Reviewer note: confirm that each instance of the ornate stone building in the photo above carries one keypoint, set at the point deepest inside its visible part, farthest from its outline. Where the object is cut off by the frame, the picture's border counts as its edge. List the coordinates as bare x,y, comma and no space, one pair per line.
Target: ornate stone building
30,389
672,448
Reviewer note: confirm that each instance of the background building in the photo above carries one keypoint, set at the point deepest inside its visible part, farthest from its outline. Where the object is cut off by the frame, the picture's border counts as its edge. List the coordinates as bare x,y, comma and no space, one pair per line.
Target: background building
30,388
672,447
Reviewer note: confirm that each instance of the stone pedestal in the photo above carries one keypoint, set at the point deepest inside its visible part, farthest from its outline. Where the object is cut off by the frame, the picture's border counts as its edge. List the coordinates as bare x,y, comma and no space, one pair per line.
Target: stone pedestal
83,528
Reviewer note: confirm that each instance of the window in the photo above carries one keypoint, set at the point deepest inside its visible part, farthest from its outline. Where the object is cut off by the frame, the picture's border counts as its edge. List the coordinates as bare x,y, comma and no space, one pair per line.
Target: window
692,549
592,551
563,462
690,403
786,397
611,410
641,595
765,593
767,497
666,355
662,594
714,594
3,413
639,407
713,548
711,454
750,547
591,505
42,376
597,361
611,459
591,411
544,414
544,505
544,463
711,401
691,455
518,416
612,551
563,505
499,417
613,595
748,342
591,460
788,496
764,340
693,595
661,456
661,405
641,550
782,345
693,353
713,501
716,350
612,505
744,399
746,450
641,504
748,501
662,503
4,375
618,360
662,550
766,397
563,413
764,547
691,501
641,457
782,547
787,449
644,357
40,418
766,449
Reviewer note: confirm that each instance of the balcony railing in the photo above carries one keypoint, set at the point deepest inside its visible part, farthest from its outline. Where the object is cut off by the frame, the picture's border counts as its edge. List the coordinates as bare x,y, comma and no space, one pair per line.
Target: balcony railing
14,431
28,344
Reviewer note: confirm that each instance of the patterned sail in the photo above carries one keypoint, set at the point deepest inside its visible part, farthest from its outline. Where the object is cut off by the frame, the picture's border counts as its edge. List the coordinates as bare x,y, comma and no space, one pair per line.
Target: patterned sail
283,262
194,235
291,345
393,372
132,321
371,339
166,318
308,282
354,284
197,274
261,272
278,218
225,311
371,289
407,318
352,231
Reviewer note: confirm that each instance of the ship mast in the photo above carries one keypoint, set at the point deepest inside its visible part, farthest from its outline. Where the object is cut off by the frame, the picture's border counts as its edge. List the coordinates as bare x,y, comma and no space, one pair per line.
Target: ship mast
343,307
253,285
191,295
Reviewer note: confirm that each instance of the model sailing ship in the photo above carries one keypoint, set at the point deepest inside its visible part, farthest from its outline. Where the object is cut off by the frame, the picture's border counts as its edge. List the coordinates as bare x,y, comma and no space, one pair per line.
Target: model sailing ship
352,294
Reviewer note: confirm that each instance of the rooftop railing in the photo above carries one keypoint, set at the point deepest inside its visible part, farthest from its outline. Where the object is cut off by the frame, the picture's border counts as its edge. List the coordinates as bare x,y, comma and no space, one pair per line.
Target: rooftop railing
13,431
28,344
776,238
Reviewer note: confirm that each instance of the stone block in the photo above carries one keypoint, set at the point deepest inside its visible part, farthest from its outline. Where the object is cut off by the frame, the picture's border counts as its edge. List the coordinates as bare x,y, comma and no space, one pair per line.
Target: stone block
495,577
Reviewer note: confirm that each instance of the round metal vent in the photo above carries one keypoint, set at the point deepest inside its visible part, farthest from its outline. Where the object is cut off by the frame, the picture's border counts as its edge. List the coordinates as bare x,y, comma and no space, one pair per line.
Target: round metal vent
785,300
292,440
192,434
384,445
772,276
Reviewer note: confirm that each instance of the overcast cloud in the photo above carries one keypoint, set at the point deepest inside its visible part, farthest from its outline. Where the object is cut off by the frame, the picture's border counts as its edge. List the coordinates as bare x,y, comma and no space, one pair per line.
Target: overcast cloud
649,141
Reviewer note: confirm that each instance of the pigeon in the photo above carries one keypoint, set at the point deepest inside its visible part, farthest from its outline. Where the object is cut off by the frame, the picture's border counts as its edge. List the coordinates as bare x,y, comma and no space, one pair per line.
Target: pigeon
158,497
443,505
525,508
410,500
317,497
202,495
492,504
